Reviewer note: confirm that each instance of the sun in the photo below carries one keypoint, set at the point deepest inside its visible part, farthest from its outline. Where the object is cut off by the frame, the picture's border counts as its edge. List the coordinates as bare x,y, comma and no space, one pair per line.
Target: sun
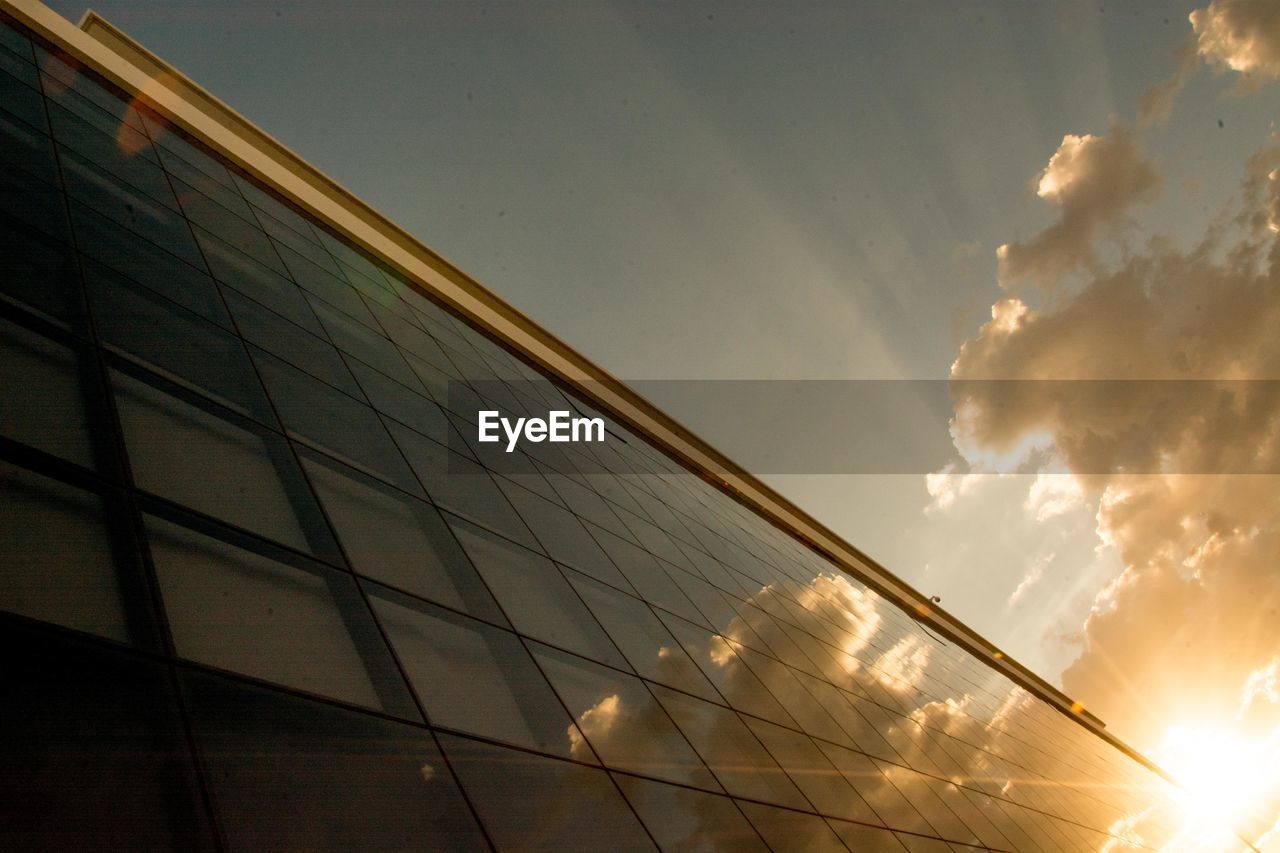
1222,776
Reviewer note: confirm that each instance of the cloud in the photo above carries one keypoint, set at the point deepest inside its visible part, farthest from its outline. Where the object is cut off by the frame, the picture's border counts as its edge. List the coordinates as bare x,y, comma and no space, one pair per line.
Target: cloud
1240,35
1030,579
1053,494
1094,181
1199,551
1262,683
1157,102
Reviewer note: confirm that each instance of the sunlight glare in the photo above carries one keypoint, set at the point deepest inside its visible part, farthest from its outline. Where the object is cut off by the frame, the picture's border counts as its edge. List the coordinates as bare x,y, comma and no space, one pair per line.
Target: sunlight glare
1222,776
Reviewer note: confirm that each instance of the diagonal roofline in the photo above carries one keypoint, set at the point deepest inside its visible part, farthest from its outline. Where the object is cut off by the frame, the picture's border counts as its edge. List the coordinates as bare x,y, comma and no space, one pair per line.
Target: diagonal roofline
132,67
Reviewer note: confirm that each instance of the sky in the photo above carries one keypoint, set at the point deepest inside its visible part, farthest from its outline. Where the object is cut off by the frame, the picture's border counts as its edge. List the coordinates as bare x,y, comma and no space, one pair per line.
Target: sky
875,190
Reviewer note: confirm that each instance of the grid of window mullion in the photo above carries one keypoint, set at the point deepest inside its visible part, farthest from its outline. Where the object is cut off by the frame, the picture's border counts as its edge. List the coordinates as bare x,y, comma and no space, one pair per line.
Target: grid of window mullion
367,611
131,548
958,679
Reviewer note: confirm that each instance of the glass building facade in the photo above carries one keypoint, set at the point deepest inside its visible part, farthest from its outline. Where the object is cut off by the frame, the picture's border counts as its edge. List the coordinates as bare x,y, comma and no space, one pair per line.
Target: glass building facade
259,593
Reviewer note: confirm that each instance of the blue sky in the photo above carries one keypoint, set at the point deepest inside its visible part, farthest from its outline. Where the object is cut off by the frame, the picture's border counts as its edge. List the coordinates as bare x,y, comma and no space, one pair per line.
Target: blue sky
758,190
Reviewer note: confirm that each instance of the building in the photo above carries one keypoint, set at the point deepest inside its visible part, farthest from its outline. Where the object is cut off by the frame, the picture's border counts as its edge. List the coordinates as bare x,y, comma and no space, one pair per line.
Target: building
259,591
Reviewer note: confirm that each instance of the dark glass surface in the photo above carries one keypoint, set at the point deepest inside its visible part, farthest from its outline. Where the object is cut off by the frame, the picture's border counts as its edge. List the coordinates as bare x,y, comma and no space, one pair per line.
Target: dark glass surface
532,803
72,580
287,773
764,669
271,616
95,754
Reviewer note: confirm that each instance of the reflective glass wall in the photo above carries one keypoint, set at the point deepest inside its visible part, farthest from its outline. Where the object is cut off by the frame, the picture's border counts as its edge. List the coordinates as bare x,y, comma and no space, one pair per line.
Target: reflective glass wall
260,593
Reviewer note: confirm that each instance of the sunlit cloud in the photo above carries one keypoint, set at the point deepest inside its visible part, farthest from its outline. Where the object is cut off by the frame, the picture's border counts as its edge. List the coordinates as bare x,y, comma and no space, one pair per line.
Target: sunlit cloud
1240,35
1030,579
1094,181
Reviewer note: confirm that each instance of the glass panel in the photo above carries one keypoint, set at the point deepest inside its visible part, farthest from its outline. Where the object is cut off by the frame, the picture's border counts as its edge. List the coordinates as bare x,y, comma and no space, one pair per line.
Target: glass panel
685,819
395,400
787,830
37,201
391,537
621,720
648,577
255,483
198,179
290,342
125,155
41,275
527,802
563,536
290,774
95,757
366,345
44,399
300,625
475,678
261,199
169,141
129,207
885,799
56,561
24,143
328,288
716,657
149,265
645,641
729,748
460,485
813,774
243,236
259,283
63,75
15,41
176,342
536,597
335,422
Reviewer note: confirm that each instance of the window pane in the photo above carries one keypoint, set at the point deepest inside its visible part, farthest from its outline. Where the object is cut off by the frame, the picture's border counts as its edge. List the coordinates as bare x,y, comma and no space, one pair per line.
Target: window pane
176,342
258,282
727,745
128,158
391,537
536,597
41,275
290,342
563,536
44,399
645,641
244,236
829,792
334,422
291,774
621,720
255,483
475,678
95,757
246,612
24,144
366,345
130,207
39,200
685,819
149,265
460,485
528,802
792,830
406,405
56,561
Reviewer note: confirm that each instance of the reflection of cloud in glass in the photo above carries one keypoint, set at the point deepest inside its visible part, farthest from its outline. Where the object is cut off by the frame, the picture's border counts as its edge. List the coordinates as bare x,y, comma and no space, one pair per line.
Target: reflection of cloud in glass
902,667
595,722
